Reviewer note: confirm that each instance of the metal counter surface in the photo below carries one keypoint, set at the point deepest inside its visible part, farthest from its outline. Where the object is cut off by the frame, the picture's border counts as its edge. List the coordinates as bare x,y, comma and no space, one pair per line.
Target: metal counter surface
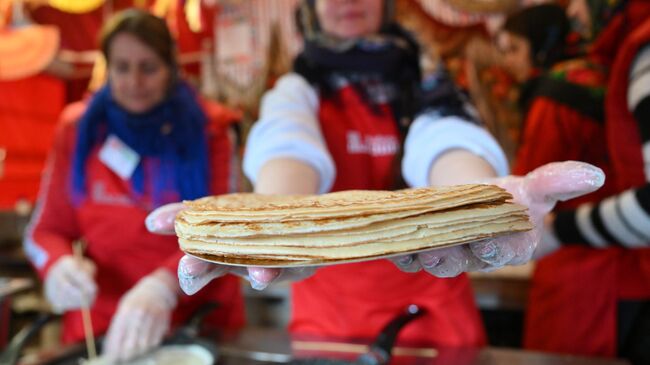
256,346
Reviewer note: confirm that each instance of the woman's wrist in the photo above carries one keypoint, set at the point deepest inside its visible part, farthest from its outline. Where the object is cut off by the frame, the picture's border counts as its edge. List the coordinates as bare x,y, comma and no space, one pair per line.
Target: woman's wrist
458,166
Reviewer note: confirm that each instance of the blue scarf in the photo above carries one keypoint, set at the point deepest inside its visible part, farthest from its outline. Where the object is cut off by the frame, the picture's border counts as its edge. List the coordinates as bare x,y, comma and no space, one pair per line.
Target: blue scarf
173,132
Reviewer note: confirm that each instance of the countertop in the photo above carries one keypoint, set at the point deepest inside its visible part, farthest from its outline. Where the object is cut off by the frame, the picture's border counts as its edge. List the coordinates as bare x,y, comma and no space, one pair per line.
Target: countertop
256,346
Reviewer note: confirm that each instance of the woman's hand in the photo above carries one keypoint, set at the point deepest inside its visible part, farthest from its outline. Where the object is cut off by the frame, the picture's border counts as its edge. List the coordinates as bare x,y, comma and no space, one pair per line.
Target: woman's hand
194,274
540,190
70,284
142,318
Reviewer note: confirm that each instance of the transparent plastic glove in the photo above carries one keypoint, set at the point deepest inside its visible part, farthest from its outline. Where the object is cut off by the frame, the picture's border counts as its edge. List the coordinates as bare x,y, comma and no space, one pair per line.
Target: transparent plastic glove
142,318
70,284
194,274
539,191
549,242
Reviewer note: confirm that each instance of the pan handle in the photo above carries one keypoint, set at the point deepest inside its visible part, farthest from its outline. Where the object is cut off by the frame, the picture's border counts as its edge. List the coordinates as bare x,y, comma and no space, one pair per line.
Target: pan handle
380,350
11,354
193,325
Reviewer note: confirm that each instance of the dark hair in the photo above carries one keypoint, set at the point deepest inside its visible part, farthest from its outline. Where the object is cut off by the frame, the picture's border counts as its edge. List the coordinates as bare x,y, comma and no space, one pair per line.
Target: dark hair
546,27
147,28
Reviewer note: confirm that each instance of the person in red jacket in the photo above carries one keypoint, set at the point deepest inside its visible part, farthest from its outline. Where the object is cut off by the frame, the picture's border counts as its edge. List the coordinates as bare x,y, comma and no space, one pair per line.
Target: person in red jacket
561,97
142,140
563,118
356,113
586,301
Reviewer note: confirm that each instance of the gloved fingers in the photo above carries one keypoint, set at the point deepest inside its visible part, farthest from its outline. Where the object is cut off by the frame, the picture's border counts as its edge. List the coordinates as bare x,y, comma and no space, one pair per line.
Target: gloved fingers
407,263
146,334
73,295
450,262
113,344
160,328
563,180
157,334
155,325
512,249
130,334
134,329
79,273
87,266
161,220
260,277
66,291
142,316
81,283
194,274
524,246
61,302
493,252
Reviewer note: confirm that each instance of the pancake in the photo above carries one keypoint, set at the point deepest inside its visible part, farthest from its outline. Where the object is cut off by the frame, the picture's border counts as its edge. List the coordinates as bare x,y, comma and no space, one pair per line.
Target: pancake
371,232
304,256
297,230
250,207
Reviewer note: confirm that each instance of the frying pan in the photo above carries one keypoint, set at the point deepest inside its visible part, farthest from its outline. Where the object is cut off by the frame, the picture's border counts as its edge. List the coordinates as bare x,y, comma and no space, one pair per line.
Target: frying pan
379,352
188,334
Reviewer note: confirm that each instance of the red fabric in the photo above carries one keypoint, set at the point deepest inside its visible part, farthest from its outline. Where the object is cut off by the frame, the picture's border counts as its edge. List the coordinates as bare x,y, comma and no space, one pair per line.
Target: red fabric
190,42
29,110
122,249
353,301
572,303
555,132
606,47
622,129
625,148
566,312
79,32
574,293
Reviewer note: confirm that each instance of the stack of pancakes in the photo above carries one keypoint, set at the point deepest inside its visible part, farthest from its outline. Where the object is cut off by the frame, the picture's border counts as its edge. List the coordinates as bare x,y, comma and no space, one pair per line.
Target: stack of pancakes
297,230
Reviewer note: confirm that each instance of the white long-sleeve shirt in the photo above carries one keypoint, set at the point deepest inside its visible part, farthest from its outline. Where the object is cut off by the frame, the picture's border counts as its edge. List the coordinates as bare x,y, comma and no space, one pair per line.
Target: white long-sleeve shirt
289,128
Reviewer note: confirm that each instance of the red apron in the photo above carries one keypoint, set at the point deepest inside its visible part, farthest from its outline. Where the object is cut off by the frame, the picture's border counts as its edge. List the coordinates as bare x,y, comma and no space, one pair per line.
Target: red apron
353,301
575,291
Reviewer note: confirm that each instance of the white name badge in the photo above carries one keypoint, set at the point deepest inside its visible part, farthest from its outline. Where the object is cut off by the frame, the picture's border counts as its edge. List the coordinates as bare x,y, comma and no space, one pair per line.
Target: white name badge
119,157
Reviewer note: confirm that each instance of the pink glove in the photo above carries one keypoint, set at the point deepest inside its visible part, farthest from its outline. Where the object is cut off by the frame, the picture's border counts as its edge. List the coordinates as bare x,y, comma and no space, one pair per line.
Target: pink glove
143,317
194,274
539,191
69,284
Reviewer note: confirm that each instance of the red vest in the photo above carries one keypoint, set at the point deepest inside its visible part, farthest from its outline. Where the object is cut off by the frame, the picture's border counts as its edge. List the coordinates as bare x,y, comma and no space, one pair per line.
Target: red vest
574,294
356,300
